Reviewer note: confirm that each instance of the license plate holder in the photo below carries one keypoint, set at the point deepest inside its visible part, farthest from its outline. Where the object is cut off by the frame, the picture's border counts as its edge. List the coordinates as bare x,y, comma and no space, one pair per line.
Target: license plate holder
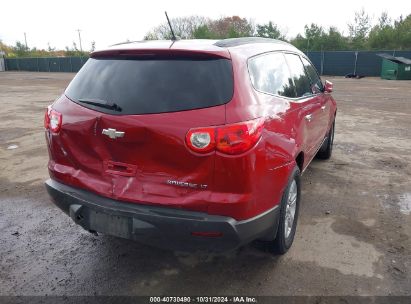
110,224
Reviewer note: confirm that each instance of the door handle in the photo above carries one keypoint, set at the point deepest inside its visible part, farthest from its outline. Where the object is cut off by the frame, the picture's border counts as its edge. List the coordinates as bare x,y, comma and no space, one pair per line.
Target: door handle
323,108
308,117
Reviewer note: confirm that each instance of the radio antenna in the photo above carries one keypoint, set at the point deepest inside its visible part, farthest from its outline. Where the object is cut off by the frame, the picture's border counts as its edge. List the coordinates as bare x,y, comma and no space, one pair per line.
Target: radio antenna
173,36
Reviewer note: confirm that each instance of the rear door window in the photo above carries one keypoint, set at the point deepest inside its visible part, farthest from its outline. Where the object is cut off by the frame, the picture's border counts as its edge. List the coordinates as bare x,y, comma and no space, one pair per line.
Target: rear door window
269,74
299,76
312,73
154,85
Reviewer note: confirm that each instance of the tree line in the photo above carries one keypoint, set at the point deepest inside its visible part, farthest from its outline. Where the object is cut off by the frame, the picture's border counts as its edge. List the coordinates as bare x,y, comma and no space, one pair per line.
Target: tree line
21,50
363,34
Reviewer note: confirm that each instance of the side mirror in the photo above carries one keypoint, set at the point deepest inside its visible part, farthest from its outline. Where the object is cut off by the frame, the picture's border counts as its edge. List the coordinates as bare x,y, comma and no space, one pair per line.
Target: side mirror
328,86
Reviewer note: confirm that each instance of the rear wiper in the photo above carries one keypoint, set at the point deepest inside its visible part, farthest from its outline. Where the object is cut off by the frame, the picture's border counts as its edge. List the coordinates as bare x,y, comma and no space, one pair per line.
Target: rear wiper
101,103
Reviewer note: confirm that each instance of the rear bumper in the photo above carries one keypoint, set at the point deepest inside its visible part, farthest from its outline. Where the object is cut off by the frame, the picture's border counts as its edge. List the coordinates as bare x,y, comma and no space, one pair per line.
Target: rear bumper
159,226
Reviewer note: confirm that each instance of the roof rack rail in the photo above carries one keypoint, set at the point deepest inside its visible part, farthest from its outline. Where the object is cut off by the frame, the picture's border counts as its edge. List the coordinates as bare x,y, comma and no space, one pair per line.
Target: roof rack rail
244,40
128,42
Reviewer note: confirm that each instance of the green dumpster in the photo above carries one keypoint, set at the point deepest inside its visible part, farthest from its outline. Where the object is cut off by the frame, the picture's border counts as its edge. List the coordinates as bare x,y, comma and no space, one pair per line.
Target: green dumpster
395,68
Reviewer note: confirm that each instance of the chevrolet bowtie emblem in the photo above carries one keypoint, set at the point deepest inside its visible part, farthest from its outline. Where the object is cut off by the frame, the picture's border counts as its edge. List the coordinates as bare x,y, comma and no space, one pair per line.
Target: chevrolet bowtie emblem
112,133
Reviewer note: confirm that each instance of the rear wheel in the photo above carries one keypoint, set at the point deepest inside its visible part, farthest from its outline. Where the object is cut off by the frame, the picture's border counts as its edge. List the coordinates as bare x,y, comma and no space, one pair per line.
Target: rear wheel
327,146
290,204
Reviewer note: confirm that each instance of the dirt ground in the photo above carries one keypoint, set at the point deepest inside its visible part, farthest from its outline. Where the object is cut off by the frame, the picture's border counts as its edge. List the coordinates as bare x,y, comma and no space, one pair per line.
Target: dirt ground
353,237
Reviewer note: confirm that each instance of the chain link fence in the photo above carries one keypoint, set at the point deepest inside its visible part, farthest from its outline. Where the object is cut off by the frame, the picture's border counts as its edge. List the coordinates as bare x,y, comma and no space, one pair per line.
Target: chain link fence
335,63
341,63
45,64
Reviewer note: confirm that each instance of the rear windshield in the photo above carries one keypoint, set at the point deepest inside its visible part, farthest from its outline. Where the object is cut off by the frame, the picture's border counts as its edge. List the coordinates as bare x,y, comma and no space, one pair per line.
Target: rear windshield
155,85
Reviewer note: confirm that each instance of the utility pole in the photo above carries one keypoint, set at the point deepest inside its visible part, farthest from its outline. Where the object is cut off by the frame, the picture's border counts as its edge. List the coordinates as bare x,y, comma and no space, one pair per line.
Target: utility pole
79,38
25,40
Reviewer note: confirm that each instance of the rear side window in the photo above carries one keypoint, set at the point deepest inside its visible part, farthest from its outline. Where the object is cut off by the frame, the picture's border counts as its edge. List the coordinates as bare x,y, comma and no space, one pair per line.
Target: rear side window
269,74
300,78
155,85
312,73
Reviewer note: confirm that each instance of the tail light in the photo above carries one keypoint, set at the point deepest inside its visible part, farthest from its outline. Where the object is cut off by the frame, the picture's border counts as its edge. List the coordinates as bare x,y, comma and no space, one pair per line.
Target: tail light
201,140
53,120
240,137
228,139
47,118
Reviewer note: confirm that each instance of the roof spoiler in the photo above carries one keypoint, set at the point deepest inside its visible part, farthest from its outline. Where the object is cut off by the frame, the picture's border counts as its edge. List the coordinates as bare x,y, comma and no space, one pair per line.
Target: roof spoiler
157,53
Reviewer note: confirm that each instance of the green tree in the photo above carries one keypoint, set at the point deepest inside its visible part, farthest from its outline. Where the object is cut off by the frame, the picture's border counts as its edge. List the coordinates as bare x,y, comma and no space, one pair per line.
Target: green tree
314,35
382,35
203,32
74,51
231,27
333,40
402,32
317,39
269,30
300,42
203,28
312,39
384,20
389,35
184,28
359,29
20,49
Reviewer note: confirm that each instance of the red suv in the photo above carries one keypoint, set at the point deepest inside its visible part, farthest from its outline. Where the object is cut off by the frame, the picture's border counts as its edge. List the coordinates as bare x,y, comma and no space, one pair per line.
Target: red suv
189,144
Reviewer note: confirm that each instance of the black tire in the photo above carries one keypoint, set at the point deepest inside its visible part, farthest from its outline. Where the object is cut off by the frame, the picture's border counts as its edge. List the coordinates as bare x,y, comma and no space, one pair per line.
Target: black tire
327,146
284,240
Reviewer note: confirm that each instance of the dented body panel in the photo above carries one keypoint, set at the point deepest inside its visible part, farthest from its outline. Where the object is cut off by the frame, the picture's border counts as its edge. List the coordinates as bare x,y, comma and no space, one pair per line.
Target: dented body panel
153,148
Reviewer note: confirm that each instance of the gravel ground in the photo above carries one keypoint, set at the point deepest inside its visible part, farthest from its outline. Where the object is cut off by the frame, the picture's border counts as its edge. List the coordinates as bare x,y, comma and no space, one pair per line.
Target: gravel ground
353,236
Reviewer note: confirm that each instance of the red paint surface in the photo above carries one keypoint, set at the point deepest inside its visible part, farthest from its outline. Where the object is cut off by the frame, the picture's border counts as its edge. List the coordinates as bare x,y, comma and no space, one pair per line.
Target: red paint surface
136,167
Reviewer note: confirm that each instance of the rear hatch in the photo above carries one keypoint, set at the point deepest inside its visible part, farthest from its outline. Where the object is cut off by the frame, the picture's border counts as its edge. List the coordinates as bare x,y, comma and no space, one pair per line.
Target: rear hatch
125,119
